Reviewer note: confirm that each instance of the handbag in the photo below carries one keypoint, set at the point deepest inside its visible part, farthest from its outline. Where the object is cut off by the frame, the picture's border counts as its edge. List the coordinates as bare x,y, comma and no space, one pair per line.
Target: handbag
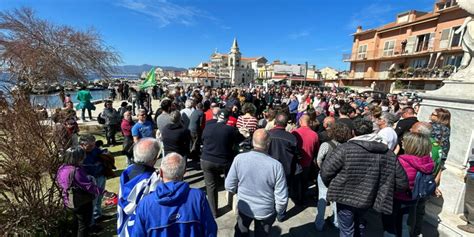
77,196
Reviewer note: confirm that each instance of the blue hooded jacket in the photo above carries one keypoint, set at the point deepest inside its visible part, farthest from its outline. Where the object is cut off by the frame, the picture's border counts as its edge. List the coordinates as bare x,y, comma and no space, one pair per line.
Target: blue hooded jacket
174,209
135,182
92,164
293,106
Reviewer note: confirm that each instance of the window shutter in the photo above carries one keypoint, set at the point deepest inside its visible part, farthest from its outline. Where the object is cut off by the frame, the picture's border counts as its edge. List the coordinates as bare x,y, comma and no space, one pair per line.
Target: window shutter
444,41
411,42
431,42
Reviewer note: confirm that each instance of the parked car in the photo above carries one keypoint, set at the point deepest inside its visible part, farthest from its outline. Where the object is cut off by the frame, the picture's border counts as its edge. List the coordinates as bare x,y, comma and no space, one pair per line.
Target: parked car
412,96
374,94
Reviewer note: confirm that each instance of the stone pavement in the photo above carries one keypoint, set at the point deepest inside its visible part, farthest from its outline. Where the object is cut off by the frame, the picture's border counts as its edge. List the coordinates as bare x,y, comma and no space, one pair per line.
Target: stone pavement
299,221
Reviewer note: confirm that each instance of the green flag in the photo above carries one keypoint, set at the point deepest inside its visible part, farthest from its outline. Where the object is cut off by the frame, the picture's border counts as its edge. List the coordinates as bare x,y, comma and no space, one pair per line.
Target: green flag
150,80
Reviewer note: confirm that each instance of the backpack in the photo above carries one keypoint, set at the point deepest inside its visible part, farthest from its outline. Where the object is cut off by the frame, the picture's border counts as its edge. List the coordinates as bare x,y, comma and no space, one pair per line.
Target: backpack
333,147
77,196
100,120
425,186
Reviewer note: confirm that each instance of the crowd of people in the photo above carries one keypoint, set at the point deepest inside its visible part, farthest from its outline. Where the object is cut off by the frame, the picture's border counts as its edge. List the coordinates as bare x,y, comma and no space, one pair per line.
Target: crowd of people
361,151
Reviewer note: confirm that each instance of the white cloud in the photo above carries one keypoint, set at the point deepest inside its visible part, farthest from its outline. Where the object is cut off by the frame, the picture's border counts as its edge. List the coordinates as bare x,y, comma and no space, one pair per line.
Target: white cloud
166,12
299,34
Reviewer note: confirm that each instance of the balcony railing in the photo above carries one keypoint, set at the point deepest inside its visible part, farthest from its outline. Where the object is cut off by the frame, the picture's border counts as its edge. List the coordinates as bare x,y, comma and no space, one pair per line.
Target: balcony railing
437,73
386,53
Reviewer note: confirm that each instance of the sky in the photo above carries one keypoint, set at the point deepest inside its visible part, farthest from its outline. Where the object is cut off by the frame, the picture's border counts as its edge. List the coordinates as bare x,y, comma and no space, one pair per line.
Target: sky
184,33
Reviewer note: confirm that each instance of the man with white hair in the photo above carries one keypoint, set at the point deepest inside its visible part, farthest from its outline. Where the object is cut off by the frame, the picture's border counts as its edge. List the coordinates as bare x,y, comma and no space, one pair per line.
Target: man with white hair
386,132
259,181
174,209
186,112
136,181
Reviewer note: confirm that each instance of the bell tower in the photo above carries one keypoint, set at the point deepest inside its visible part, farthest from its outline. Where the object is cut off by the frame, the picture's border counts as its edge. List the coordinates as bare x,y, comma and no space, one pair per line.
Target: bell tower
235,63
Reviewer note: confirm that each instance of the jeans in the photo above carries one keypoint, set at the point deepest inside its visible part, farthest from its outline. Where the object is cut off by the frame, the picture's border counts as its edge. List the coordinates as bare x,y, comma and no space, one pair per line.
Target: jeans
212,176
321,206
261,227
100,182
82,219
469,199
83,114
351,221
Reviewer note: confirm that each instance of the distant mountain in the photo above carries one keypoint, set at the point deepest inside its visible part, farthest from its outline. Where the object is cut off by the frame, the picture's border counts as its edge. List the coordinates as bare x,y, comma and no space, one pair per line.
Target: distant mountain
138,69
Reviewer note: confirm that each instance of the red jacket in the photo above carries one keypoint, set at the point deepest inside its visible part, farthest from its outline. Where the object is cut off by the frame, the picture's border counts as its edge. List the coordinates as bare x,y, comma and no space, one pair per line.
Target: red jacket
232,121
308,144
411,164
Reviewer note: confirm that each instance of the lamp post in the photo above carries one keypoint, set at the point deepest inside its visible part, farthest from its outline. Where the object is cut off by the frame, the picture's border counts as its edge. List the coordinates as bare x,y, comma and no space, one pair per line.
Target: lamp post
305,73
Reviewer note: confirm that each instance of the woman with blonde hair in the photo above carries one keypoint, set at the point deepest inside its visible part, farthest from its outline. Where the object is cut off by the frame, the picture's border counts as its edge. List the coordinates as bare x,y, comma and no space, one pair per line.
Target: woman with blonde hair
416,159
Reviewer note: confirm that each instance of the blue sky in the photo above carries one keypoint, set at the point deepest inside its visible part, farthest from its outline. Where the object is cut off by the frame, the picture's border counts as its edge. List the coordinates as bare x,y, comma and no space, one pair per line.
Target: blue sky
185,32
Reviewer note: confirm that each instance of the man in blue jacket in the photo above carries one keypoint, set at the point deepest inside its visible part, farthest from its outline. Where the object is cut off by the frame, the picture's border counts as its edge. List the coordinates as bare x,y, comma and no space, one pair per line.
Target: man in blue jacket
293,106
137,181
174,209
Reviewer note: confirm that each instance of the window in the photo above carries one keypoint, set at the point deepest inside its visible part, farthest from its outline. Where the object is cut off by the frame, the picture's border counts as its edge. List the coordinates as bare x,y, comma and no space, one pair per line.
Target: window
456,38
423,42
449,38
447,4
362,52
454,60
419,63
388,48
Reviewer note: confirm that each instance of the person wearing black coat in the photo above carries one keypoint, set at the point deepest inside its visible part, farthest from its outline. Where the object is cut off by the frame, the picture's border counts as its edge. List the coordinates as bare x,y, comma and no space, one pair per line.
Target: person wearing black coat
219,140
362,174
176,137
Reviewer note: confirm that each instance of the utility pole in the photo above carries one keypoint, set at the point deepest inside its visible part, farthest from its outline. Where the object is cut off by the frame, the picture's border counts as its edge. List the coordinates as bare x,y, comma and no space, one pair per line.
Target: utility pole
305,73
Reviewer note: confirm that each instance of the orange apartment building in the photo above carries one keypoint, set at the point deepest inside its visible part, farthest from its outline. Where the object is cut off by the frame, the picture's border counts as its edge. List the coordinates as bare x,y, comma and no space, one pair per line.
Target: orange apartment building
419,50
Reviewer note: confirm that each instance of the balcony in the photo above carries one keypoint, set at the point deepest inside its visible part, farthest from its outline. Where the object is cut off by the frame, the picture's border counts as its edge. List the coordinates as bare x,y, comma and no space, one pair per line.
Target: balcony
398,51
424,73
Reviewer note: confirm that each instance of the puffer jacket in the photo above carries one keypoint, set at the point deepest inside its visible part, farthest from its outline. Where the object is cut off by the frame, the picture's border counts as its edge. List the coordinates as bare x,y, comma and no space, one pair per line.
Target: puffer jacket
363,174
412,164
111,116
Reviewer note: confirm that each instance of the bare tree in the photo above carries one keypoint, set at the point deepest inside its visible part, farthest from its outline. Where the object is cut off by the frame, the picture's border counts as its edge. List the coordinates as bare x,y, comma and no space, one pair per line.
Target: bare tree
33,50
